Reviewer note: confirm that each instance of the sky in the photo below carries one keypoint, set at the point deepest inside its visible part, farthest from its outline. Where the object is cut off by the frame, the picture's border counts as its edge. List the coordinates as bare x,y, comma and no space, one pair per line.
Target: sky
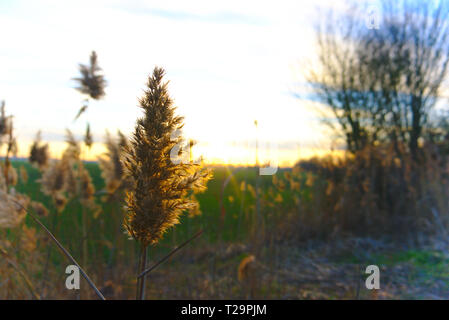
229,63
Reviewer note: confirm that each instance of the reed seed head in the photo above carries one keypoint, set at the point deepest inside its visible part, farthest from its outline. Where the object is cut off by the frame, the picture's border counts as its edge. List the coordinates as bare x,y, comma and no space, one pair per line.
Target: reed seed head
12,210
9,173
4,121
111,163
160,188
53,178
23,174
39,154
246,268
73,150
91,82
86,188
39,209
88,139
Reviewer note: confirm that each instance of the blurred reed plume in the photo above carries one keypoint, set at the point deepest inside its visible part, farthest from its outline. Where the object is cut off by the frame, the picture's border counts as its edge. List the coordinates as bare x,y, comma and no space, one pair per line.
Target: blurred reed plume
67,178
247,275
111,164
91,82
39,209
160,188
53,182
88,139
12,214
39,153
4,122
73,151
245,266
23,174
86,187
10,176
7,130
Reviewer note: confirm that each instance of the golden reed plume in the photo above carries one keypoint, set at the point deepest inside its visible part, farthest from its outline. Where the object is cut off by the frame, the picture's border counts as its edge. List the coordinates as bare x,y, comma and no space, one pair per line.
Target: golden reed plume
160,188
39,154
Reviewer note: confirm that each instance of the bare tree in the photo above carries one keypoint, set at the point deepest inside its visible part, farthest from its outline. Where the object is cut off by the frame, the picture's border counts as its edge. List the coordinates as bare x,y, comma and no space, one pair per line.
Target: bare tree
382,84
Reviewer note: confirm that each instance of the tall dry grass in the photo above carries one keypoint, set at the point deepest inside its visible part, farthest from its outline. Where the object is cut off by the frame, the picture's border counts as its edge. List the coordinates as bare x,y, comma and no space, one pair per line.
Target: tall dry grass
379,191
161,186
373,192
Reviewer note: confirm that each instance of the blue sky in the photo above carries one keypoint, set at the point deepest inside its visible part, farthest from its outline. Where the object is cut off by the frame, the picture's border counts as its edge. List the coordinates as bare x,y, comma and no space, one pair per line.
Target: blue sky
228,63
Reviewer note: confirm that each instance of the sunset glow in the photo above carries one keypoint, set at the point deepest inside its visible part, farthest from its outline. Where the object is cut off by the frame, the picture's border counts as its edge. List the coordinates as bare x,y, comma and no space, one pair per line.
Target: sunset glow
228,65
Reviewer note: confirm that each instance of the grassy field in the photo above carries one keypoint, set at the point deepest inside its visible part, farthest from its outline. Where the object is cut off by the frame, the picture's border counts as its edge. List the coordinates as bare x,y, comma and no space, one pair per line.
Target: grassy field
227,214
208,267
233,220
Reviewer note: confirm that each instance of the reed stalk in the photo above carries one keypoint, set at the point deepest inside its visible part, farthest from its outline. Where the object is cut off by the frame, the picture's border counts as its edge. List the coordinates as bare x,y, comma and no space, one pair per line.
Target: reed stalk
64,251
141,281
160,183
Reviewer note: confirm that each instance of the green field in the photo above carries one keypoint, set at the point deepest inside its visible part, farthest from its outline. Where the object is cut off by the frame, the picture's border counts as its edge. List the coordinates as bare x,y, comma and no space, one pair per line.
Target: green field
232,224
207,268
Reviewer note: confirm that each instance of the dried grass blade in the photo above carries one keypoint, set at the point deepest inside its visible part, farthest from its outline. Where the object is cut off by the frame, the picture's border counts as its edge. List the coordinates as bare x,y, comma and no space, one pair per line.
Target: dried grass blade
66,253
20,272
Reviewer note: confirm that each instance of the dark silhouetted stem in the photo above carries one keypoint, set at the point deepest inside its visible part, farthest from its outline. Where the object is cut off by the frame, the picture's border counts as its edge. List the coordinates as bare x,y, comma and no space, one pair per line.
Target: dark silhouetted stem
144,273
47,260
141,281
